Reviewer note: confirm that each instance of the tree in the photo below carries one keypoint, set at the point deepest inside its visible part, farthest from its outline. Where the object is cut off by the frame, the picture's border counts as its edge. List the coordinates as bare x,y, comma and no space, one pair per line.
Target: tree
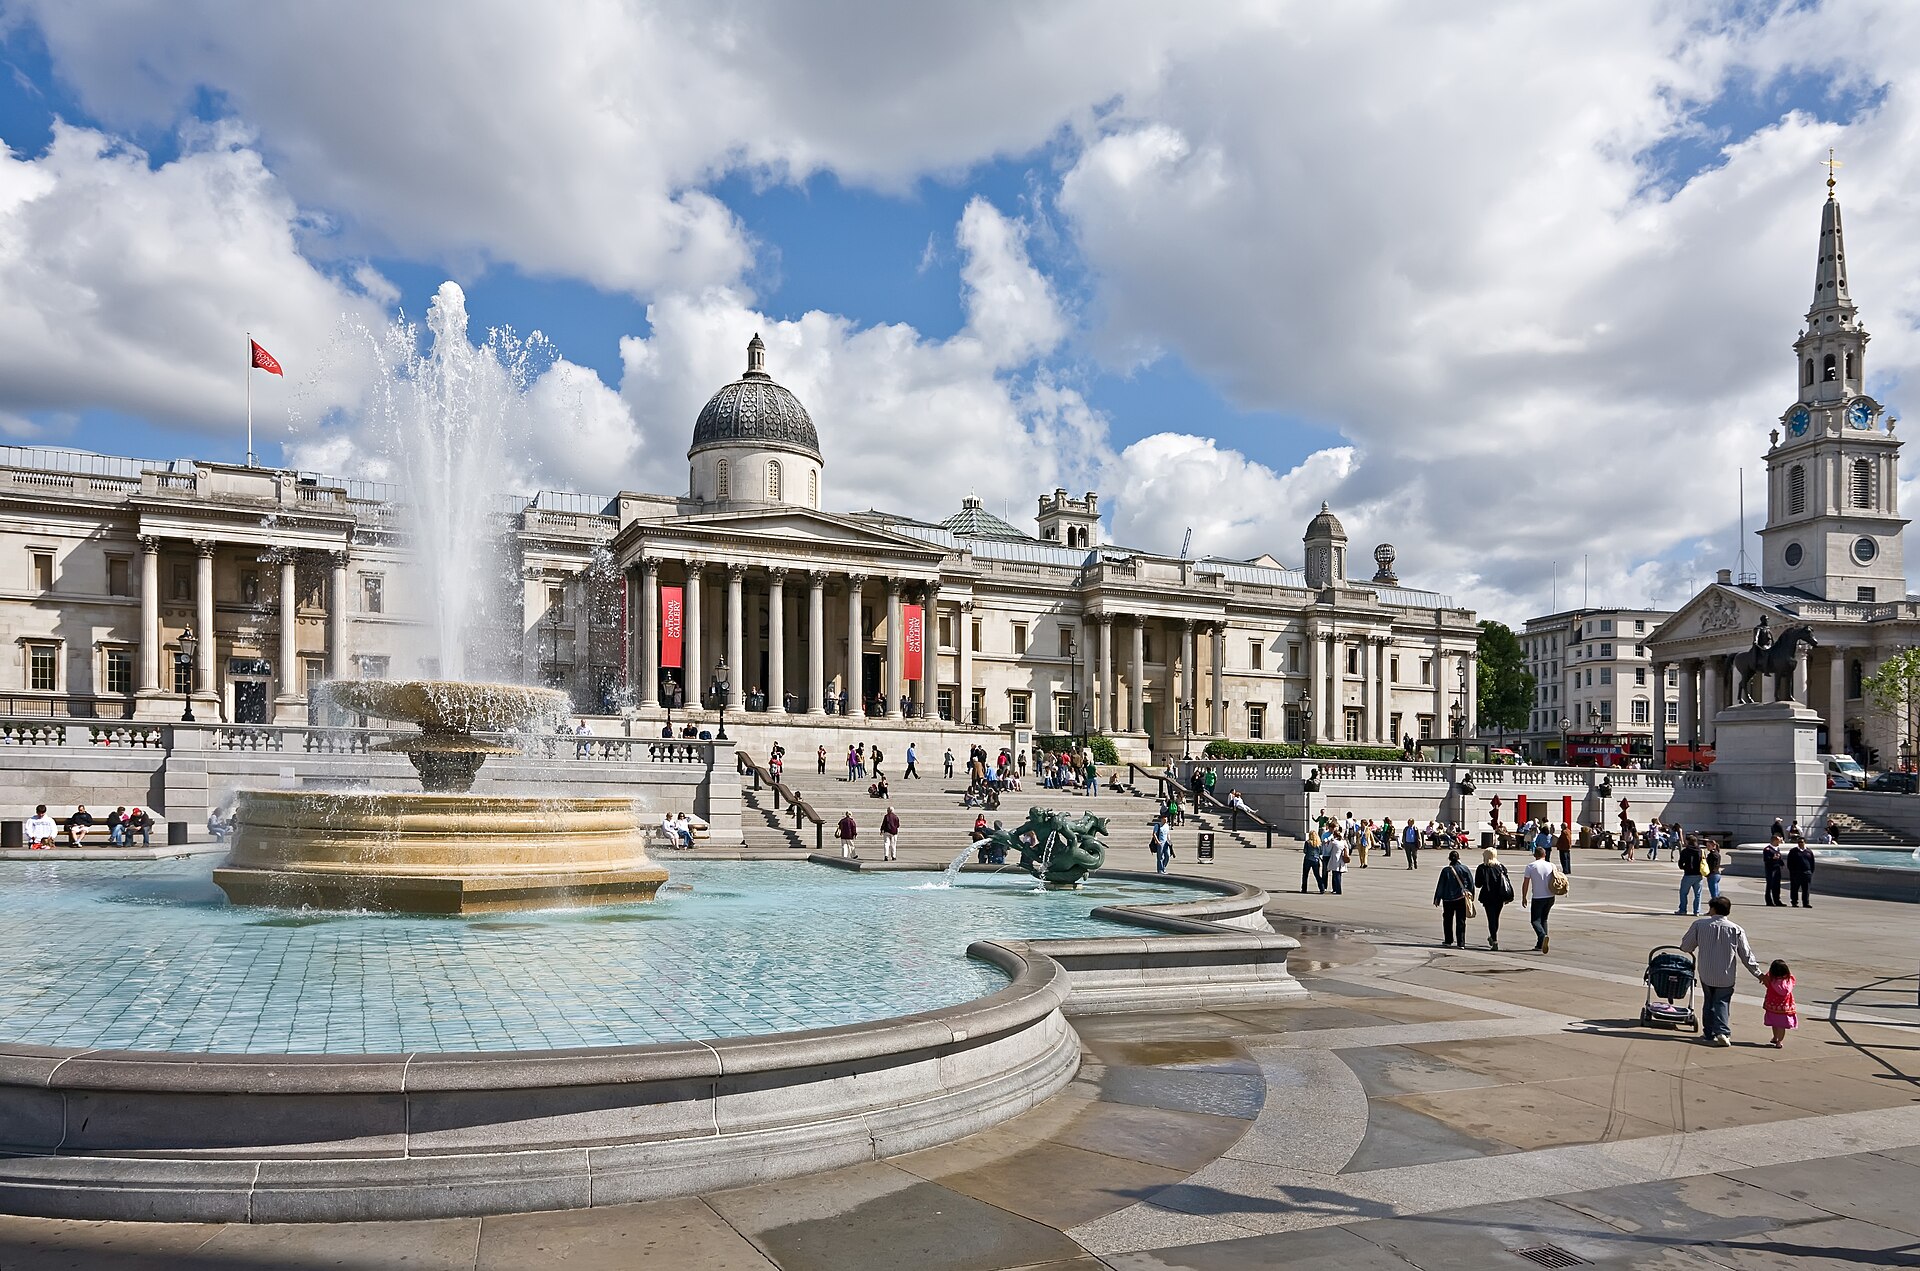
1894,687
1506,685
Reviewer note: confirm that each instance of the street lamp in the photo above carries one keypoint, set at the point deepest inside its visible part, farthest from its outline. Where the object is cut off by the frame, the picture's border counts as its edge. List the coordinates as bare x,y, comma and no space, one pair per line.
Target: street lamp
1306,720
1566,726
1086,725
189,645
720,691
1186,730
670,689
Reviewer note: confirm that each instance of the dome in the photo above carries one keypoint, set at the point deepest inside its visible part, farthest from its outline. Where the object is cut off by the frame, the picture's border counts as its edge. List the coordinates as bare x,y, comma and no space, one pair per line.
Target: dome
1325,525
755,411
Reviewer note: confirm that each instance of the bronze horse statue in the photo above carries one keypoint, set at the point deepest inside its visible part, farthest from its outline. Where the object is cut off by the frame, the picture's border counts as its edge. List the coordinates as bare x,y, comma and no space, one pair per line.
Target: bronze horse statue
1777,659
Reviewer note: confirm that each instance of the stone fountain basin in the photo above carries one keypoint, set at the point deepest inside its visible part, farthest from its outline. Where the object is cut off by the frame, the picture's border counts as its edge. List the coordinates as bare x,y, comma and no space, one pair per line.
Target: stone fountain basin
451,706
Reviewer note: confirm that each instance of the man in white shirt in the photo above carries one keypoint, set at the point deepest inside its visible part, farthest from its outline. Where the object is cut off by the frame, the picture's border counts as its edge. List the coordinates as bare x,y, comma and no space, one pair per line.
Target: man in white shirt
40,829
1720,948
1536,889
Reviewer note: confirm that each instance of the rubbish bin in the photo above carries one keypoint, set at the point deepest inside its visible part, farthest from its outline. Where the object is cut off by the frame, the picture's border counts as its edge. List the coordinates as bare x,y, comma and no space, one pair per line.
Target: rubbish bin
13,836
1486,838
176,833
1203,850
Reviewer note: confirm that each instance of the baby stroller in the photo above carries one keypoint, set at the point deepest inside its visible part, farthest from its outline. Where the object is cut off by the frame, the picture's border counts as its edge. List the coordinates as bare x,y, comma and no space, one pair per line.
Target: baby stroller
1670,975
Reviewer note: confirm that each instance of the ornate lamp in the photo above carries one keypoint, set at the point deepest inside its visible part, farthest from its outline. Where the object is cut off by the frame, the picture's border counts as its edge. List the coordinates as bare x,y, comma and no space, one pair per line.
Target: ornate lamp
189,645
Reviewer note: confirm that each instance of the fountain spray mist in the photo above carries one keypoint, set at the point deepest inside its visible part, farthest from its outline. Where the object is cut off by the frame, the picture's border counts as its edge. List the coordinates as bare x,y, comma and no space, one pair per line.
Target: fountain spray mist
452,414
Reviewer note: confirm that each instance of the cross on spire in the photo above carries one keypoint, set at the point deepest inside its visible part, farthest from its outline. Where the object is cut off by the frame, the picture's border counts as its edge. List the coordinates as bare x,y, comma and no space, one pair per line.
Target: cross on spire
1831,163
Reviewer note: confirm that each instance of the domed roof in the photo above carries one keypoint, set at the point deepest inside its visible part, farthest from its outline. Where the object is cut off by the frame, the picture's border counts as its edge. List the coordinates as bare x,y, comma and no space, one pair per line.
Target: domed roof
1325,525
755,411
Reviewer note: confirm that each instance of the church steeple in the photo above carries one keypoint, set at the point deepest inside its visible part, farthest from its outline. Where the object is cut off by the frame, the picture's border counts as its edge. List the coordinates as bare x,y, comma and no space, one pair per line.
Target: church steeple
1831,352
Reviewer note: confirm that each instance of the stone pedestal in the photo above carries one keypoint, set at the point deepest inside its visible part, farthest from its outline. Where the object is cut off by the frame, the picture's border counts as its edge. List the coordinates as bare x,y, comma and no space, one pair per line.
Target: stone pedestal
1766,764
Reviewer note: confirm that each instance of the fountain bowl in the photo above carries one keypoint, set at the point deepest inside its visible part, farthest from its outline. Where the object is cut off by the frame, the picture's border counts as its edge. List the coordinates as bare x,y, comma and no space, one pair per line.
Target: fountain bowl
451,706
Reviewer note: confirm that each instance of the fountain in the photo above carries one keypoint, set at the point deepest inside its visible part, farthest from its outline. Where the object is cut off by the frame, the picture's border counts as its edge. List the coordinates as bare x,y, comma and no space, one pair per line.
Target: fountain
446,413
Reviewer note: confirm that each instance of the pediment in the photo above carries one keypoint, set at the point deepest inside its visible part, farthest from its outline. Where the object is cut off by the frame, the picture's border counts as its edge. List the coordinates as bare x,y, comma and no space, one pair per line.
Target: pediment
1716,613
801,527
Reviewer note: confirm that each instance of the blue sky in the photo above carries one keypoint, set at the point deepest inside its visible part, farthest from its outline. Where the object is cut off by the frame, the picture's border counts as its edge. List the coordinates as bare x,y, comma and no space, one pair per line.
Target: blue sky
1222,288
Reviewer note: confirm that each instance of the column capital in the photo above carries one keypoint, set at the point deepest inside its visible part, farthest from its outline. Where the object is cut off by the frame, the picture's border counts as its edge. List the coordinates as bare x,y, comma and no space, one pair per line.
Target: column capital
650,566
778,573
856,581
338,558
1104,619
1187,625
817,579
150,544
966,606
897,587
735,571
204,546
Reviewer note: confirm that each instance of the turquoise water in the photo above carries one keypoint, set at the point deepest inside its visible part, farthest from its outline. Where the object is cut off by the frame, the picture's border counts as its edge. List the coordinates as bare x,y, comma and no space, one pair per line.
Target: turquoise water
149,956
1894,858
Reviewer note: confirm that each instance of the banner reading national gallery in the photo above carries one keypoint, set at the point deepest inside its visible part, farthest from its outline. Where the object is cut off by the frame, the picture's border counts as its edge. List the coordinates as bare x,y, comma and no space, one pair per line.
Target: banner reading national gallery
672,619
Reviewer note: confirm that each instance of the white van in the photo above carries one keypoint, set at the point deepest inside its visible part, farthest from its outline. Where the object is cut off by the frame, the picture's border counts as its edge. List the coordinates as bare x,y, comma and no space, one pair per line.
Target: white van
1845,766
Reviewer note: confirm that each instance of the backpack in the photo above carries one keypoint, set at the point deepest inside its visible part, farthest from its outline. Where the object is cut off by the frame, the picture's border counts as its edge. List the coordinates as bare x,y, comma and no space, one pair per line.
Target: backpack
1500,885
1557,883
1411,838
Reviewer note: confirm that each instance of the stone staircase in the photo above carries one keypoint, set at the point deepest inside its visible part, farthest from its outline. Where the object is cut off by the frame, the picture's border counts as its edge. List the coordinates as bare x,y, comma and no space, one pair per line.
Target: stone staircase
1208,818
1858,831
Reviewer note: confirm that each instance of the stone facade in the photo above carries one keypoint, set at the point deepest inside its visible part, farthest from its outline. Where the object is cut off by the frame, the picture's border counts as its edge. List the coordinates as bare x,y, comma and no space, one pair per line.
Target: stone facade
1593,673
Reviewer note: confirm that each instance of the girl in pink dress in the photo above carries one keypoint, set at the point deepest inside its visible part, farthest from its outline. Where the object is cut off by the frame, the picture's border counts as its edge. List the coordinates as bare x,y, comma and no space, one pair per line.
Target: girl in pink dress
1779,1013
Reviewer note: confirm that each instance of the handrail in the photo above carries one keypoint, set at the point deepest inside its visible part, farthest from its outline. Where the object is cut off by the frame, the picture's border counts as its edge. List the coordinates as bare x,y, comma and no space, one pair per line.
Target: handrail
1234,814
797,803
1166,788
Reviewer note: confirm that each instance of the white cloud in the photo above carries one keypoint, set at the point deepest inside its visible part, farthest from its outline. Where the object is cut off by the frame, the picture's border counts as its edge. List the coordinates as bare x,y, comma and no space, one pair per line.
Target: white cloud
129,287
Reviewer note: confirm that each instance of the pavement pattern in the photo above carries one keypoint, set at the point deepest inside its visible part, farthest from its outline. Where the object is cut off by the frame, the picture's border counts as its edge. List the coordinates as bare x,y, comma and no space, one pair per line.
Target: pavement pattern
1425,1108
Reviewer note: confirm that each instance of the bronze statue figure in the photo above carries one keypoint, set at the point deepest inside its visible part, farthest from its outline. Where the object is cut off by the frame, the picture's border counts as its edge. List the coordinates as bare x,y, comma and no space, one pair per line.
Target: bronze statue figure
1769,656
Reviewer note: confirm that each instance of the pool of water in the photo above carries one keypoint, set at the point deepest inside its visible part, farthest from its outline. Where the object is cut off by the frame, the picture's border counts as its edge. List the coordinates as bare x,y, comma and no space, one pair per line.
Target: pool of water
1895,858
149,956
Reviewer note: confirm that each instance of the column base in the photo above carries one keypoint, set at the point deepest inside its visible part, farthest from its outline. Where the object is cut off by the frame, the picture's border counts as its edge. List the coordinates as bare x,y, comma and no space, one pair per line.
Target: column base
289,710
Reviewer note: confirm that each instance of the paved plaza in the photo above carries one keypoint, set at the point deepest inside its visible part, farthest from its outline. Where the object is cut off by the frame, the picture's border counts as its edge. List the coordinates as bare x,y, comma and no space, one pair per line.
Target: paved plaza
1424,1108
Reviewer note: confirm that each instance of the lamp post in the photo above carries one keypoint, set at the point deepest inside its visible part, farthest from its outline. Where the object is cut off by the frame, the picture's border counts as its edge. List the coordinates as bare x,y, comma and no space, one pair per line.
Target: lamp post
553,656
720,674
670,689
1306,720
1566,726
1186,730
1086,726
189,645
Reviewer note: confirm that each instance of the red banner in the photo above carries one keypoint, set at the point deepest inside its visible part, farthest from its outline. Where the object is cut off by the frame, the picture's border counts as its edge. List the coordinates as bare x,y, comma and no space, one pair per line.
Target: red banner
672,626
915,622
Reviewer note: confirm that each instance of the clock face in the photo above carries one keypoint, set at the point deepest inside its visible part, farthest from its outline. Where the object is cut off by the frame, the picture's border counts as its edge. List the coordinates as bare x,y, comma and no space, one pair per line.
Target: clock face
1797,422
1860,413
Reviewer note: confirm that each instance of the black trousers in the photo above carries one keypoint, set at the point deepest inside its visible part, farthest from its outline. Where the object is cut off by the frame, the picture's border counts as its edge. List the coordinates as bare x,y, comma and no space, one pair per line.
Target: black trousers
1801,889
1413,858
1453,921
1773,888
1315,868
1493,909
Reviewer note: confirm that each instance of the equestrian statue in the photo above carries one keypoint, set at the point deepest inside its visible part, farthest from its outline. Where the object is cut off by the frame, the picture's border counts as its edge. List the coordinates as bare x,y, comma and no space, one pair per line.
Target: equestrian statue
1769,656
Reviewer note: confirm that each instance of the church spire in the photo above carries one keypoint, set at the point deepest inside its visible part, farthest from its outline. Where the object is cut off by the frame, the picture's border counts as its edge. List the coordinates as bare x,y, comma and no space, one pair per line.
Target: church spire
1830,275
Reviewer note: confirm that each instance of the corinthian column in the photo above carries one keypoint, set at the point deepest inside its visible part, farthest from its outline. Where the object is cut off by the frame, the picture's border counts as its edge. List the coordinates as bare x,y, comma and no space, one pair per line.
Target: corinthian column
203,616
649,641
777,641
737,675
149,614
895,681
854,688
284,672
816,642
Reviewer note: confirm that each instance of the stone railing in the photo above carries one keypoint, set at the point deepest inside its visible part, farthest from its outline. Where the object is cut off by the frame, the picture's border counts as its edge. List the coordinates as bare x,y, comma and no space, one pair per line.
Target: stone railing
33,734
136,736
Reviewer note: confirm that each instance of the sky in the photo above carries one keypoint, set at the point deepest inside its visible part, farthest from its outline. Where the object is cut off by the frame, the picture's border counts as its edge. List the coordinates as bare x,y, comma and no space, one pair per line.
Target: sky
1511,286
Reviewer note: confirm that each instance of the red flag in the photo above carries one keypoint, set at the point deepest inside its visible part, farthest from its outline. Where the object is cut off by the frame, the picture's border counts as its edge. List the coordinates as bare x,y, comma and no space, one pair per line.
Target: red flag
264,361
916,634
672,615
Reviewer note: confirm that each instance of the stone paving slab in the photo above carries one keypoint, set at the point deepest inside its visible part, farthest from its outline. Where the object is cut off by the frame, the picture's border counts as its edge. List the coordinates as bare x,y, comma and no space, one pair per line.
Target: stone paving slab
663,1233
1869,1186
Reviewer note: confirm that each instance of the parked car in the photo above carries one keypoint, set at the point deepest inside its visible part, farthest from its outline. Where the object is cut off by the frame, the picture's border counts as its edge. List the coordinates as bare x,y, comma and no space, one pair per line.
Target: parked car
1896,783
1841,781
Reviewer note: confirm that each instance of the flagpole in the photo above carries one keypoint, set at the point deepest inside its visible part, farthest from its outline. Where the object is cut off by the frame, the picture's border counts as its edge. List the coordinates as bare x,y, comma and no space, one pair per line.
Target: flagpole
249,399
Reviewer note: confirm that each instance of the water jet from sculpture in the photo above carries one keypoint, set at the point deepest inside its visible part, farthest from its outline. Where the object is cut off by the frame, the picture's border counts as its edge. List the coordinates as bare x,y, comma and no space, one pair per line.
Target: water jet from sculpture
442,849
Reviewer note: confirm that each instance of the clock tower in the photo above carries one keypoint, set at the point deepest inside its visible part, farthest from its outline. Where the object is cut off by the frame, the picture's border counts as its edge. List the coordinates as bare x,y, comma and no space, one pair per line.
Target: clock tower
1833,524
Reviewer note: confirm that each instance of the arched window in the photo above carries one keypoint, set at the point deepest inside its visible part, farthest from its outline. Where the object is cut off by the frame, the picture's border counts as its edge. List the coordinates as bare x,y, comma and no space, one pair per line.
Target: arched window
720,483
1796,490
773,481
1807,376
1849,366
1829,369
1862,483
813,490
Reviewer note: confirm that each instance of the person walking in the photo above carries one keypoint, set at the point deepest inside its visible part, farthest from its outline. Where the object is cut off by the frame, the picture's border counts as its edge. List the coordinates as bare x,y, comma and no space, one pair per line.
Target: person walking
1713,870
1778,1012
1495,886
1163,846
913,758
1774,862
1310,860
1720,947
946,770
853,764
1410,845
889,834
846,831
1337,861
879,757
1450,895
1800,873
1537,892
822,758
1693,869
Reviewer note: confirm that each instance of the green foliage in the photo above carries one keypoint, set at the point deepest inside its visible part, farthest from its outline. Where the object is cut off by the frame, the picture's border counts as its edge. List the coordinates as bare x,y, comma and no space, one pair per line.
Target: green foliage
1894,687
1099,743
1506,686
1292,750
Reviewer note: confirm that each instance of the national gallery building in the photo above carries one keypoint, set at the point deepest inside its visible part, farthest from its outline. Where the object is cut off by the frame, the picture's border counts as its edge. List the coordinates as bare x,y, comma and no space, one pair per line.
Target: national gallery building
638,603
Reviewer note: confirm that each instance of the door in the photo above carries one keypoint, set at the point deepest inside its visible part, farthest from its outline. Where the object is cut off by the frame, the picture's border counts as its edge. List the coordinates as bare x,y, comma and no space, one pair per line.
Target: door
249,701
1150,713
870,679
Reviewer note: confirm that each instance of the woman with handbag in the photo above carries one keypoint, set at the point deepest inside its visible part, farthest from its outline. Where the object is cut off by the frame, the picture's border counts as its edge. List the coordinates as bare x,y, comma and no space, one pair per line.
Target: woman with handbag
1495,886
1453,894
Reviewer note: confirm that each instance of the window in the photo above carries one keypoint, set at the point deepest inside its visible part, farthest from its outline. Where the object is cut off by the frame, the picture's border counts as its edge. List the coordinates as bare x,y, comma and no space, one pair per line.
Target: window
1589,683
1355,722
1606,675
119,671
1639,626
973,635
946,631
1393,727
43,667
180,581
1293,658
1426,728
943,703
1864,595
1146,646
43,571
1019,641
1673,679
1796,490
1806,376
1256,721
1862,483
313,673
1254,651
979,705
1393,669
773,481
1606,626
1793,555
373,593
1066,645
813,488
1849,366
1828,369
373,667
1018,705
1606,711
1639,650
1673,714
119,576
1063,713
1606,650
1295,724
1426,674
250,587
1642,711
1639,675
722,479
556,605
182,675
